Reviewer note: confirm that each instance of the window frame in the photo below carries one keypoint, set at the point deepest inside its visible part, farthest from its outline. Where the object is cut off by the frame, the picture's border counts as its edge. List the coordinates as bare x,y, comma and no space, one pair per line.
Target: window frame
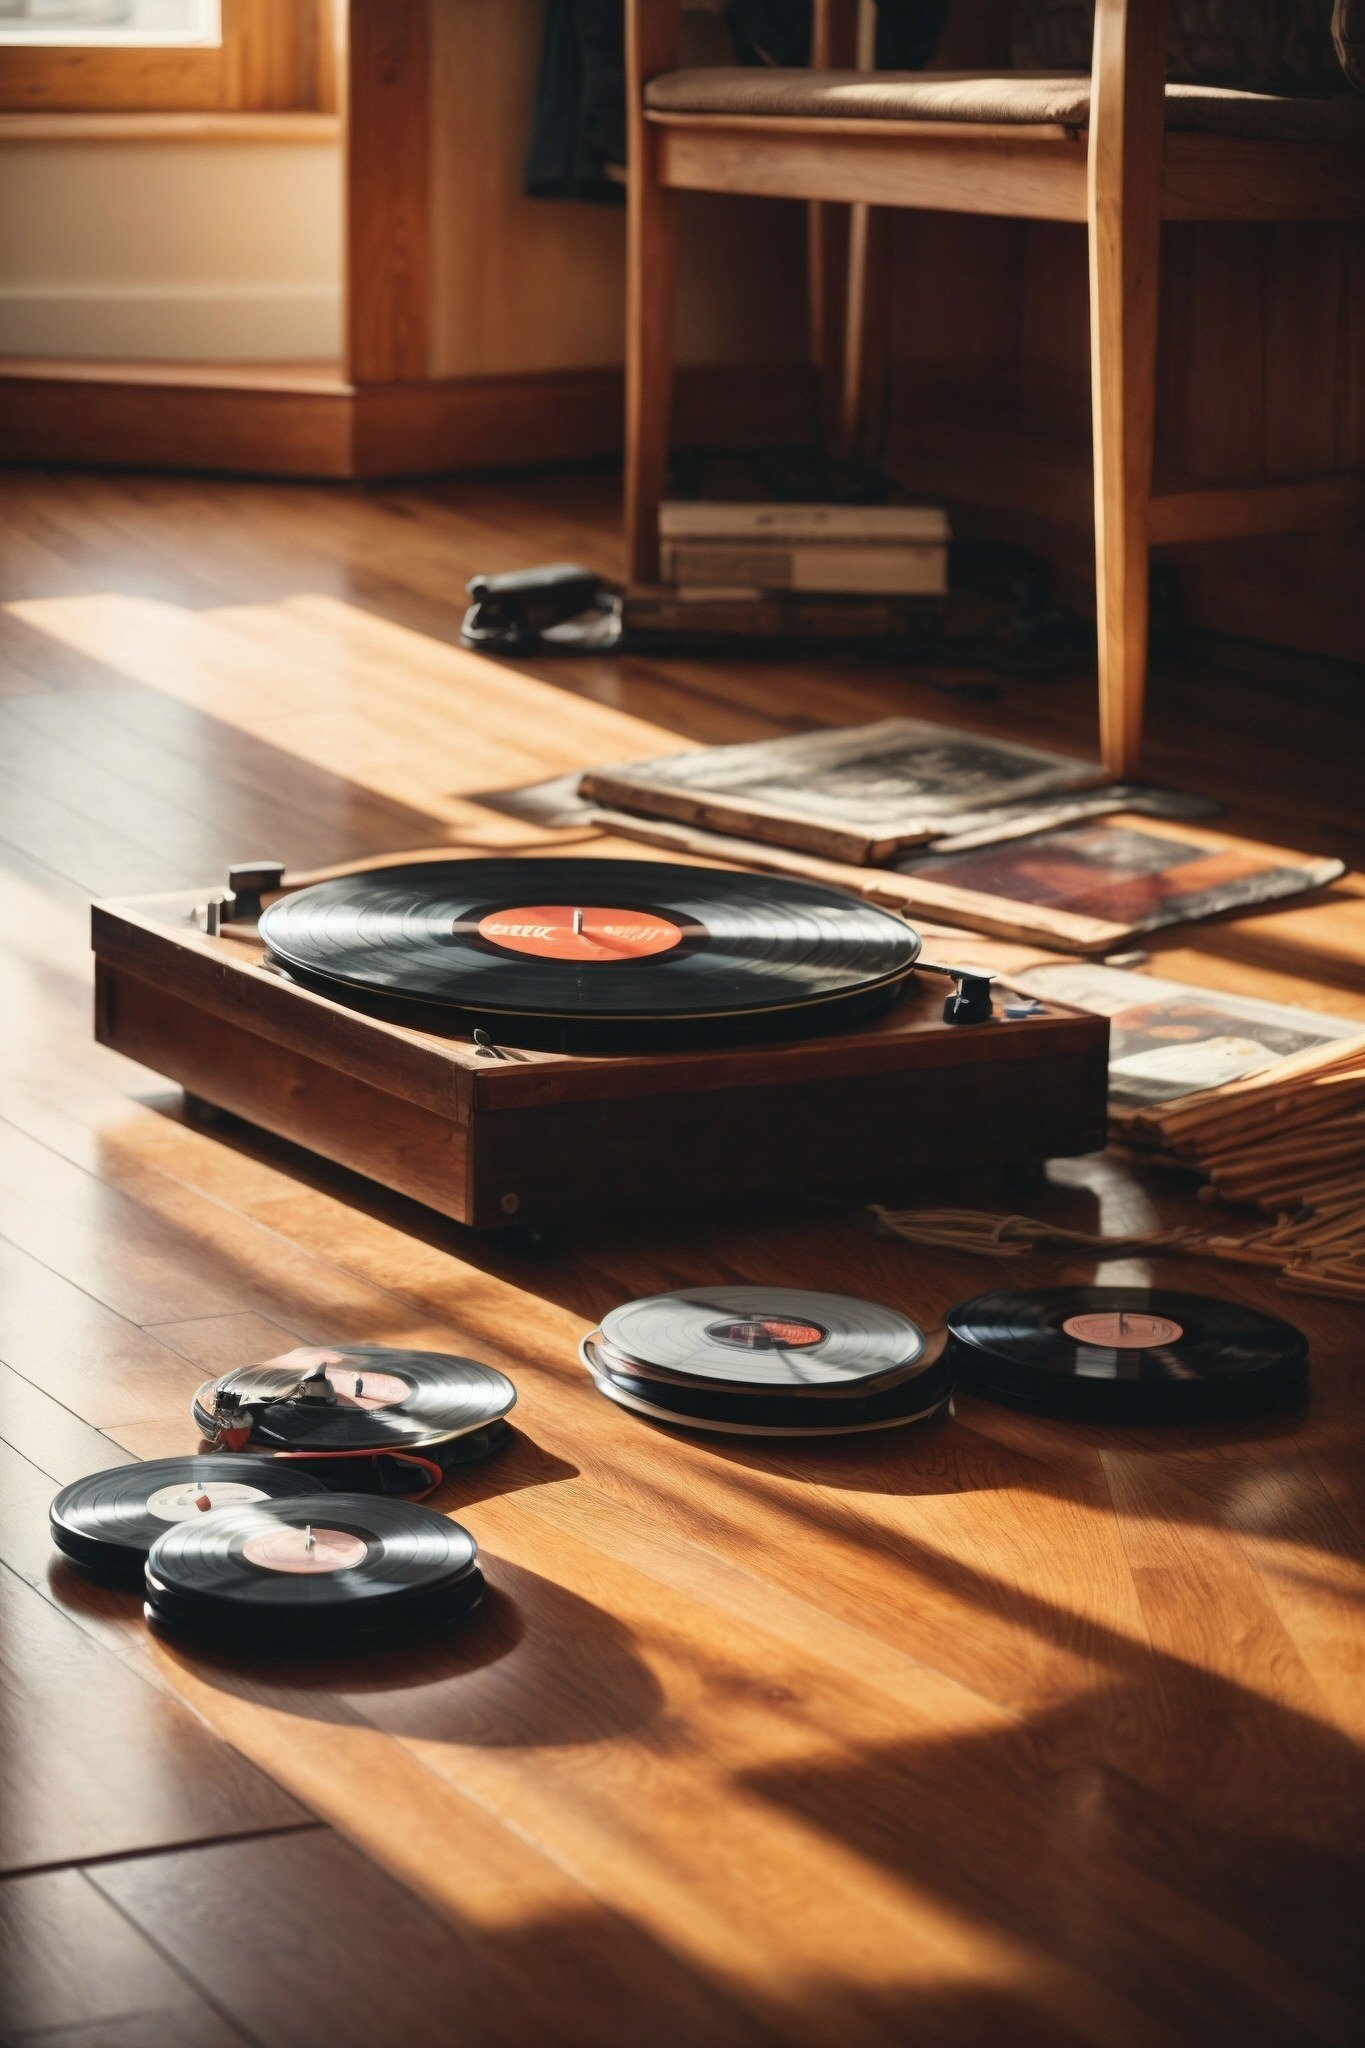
275,55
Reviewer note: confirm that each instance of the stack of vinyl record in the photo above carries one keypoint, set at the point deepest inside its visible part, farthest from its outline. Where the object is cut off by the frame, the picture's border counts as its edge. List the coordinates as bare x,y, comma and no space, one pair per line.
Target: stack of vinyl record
768,1361
107,1522
256,1555
360,1401
1126,1354
331,1575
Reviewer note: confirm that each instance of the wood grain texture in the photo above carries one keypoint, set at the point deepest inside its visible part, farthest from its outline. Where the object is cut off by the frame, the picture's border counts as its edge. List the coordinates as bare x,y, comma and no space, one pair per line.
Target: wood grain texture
137,1769
651,288
124,1994
995,1731
388,125
1124,224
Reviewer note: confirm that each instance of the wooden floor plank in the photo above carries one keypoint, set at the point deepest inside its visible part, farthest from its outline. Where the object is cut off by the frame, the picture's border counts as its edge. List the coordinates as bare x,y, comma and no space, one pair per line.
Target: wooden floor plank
74,1971
127,1768
95,1362
323,1932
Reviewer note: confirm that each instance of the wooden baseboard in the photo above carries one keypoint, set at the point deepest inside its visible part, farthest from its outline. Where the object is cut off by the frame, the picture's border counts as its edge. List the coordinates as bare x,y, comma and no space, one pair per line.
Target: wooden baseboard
258,419
305,420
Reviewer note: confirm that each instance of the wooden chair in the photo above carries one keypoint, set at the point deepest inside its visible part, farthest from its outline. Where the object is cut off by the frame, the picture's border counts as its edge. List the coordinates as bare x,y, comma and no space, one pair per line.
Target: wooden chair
1120,151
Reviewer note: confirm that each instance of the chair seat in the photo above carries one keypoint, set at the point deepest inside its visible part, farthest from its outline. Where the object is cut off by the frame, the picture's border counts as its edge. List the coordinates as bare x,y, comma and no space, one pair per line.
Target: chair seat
1023,98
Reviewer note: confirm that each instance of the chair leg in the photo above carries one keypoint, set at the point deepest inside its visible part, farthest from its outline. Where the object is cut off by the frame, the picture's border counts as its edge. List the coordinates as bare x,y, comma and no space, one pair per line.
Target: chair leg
1125,245
651,277
867,332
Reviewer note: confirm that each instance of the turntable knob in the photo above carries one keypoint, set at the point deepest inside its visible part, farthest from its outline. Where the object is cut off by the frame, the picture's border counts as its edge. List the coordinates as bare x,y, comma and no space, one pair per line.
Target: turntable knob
248,879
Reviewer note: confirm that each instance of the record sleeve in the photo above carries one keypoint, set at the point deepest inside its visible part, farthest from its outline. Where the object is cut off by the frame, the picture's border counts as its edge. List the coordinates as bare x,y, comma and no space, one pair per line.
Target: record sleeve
1169,1039
1096,884
853,793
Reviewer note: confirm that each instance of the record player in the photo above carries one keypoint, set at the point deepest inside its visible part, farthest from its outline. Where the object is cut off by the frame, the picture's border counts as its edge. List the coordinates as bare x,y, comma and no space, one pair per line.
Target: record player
495,1132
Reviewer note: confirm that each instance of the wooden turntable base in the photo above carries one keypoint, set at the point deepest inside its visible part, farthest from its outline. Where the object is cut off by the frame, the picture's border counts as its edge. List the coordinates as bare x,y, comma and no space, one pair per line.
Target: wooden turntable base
536,1137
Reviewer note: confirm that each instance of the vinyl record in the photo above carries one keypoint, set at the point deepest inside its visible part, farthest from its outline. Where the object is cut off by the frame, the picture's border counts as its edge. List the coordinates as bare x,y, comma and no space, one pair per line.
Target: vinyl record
755,1337
109,1521
384,1399
915,1400
640,941
343,1572
1126,1353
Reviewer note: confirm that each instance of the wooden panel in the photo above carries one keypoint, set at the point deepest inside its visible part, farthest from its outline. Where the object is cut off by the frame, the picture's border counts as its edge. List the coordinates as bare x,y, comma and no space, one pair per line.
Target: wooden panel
483,1140
532,285
455,423
1313,505
844,1133
387,190
235,126
1214,177
105,80
146,419
1260,331
279,420
397,1143
271,55
883,162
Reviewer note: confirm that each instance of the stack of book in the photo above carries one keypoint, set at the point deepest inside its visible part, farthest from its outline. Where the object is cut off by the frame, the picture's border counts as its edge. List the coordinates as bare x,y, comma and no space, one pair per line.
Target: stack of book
1266,1101
887,551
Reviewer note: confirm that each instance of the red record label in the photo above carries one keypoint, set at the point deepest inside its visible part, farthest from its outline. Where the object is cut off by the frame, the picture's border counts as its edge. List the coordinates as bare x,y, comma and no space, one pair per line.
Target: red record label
307,1551
1123,1329
767,1333
580,932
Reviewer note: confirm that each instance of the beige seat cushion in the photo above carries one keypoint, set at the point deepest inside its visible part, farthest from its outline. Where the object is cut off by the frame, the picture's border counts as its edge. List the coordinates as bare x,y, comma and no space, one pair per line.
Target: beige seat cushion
1010,96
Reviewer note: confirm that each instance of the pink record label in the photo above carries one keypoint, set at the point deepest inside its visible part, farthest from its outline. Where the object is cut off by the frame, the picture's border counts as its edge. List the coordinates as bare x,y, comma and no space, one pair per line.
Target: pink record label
357,1386
184,1500
1123,1329
309,1551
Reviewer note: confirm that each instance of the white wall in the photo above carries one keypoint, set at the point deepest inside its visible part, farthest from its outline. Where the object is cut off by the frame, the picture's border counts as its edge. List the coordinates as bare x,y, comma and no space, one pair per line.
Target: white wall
171,250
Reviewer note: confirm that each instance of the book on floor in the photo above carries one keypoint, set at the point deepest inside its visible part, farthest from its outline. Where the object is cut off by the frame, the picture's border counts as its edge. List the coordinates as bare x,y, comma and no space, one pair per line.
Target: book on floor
853,793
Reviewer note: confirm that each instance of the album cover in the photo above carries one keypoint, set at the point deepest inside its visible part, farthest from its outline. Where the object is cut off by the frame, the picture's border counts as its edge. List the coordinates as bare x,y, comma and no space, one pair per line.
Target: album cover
1098,883
1169,1039
852,793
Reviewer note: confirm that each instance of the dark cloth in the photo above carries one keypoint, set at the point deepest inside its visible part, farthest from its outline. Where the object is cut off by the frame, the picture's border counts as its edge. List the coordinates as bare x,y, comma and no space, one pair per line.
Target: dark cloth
1270,46
578,123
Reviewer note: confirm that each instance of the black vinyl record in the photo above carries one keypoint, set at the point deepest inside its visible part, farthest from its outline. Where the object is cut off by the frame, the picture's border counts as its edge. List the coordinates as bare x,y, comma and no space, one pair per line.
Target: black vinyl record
386,1399
591,940
345,1571
1126,1353
109,1521
910,1398
751,1338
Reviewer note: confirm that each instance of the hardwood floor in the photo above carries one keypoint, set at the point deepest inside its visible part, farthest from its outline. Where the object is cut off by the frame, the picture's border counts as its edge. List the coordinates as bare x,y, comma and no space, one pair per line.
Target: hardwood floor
991,1732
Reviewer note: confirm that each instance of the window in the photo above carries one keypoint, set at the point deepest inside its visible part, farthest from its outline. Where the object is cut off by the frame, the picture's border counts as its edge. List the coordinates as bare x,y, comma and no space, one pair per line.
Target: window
110,24
145,56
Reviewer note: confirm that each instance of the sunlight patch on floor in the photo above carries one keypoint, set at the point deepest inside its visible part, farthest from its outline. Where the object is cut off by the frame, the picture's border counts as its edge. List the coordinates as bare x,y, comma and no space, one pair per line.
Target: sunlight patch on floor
387,708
